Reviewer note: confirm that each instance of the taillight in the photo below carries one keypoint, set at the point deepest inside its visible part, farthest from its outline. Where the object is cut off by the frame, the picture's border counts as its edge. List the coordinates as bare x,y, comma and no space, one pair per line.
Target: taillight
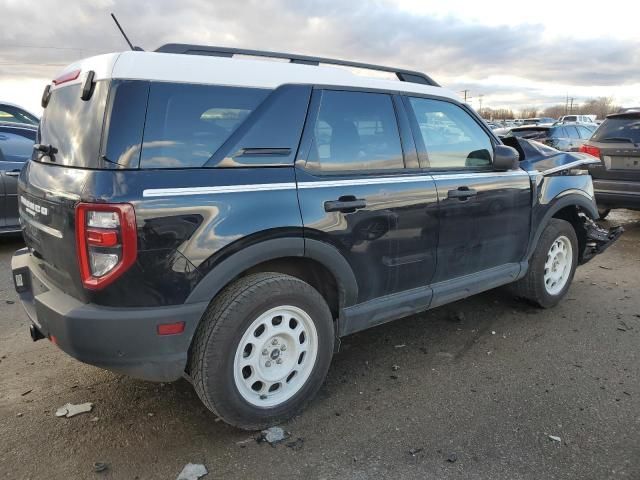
591,150
107,243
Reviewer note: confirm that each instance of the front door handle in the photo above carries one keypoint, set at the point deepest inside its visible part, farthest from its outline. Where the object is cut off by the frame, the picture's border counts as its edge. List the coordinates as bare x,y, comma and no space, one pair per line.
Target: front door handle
462,193
12,173
345,204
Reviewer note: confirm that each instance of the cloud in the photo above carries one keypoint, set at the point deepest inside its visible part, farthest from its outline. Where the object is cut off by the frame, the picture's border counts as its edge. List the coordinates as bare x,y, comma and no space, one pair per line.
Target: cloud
445,47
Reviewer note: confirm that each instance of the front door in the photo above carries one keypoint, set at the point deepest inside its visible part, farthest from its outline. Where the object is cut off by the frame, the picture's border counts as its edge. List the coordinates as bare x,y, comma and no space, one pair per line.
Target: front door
360,189
484,214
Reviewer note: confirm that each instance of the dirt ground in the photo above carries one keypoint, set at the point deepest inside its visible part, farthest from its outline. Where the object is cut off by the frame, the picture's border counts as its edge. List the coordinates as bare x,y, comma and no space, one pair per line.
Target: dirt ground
481,385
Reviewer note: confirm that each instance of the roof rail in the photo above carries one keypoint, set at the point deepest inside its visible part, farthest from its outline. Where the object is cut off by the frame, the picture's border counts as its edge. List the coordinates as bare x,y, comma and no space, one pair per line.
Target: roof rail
187,49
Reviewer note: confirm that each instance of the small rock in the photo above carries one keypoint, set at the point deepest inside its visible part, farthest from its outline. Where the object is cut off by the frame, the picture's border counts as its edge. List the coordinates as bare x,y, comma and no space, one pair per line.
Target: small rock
273,435
150,414
296,445
94,419
395,368
493,332
70,410
414,451
452,457
605,268
192,471
10,302
402,345
19,414
100,467
554,438
393,377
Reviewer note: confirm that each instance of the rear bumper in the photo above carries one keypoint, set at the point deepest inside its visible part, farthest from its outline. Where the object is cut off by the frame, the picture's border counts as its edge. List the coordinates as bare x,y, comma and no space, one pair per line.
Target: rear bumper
617,193
123,340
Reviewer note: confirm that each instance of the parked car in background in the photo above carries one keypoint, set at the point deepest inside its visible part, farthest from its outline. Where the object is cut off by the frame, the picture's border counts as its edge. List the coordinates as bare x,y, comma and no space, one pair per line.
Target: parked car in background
538,120
16,146
616,179
10,113
567,137
578,118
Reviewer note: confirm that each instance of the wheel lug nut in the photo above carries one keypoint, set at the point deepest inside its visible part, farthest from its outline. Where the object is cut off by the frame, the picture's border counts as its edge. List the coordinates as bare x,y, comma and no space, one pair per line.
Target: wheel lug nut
279,361
274,341
268,364
283,348
265,352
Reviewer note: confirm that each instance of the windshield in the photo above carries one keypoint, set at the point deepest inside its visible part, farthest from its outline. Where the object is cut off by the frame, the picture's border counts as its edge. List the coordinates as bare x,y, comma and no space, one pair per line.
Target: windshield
74,126
619,128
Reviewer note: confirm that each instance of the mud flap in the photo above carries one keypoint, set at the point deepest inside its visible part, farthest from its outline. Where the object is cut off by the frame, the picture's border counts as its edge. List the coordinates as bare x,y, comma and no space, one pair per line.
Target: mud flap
598,239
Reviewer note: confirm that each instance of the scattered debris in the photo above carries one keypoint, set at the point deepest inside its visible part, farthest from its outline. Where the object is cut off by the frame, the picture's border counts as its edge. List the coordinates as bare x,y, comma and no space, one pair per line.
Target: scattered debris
393,377
10,302
273,435
493,332
459,317
623,327
94,419
452,458
402,345
554,438
19,414
414,451
26,393
395,368
605,268
150,414
243,443
70,410
296,445
100,467
192,471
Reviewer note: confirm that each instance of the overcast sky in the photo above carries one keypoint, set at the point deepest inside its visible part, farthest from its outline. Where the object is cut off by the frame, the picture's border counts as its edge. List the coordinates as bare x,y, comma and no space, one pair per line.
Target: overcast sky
515,54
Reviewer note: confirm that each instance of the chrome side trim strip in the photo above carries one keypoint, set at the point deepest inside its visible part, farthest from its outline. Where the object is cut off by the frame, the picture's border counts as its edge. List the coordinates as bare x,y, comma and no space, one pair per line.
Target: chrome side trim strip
51,231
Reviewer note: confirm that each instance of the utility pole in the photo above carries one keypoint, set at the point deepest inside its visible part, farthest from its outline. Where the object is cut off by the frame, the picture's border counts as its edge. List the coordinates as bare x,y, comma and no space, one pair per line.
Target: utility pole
571,105
465,93
480,99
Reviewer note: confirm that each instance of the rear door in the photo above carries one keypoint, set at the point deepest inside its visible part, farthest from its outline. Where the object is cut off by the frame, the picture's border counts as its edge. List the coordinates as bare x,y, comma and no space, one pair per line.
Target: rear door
484,214
360,189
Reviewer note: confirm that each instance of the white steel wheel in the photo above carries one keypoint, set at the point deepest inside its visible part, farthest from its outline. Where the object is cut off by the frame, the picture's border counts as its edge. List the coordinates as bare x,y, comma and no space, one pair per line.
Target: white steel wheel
275,356
558,265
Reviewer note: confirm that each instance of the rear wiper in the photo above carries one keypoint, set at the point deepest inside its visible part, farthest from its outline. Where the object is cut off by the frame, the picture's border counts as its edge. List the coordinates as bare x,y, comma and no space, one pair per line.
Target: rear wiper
617,139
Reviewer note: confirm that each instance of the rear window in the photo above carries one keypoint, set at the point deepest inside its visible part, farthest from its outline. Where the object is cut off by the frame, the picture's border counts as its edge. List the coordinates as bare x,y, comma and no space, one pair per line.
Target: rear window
623,129
529,133
74,126
186,124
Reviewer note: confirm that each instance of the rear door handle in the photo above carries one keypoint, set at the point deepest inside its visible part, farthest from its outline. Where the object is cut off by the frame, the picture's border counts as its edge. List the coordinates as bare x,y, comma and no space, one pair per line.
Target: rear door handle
462,193
346,204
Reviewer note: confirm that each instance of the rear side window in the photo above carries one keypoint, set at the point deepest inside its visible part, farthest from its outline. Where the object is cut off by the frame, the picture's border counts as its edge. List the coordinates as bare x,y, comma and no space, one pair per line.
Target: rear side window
451,137
187,123
621,129
572,131
14,147
355,131
11,114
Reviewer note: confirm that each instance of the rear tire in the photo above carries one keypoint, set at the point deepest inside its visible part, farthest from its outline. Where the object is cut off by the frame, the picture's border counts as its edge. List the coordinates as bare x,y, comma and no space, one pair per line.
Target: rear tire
551,267
262,350
603,212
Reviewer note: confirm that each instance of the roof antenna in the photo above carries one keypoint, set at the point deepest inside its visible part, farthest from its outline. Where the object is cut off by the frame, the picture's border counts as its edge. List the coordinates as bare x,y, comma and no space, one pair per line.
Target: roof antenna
125,35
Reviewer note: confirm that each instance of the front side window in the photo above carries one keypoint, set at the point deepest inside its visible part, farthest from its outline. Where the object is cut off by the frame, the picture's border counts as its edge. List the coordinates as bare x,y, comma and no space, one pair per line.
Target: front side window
355,131
15,147
452,138
186,124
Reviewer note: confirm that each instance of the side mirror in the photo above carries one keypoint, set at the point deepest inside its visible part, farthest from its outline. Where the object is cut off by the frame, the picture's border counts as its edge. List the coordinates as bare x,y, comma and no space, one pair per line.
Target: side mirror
505,158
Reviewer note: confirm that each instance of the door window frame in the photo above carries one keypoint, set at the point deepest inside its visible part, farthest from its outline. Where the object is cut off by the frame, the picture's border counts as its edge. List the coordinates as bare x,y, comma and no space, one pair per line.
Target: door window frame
405,136
423,154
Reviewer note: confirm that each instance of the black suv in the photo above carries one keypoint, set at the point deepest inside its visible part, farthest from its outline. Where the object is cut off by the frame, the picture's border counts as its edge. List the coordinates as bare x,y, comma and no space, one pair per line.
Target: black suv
187,213
616,177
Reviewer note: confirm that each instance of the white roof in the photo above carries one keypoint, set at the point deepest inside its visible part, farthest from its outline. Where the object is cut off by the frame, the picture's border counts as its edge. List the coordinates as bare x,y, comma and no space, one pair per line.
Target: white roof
238,71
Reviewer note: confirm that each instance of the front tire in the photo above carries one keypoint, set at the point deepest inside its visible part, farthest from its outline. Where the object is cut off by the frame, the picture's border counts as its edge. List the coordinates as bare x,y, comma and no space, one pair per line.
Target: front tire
262,350
551,267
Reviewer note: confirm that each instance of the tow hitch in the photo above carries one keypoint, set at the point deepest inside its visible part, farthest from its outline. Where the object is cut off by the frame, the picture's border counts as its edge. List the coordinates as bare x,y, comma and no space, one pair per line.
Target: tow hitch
598,238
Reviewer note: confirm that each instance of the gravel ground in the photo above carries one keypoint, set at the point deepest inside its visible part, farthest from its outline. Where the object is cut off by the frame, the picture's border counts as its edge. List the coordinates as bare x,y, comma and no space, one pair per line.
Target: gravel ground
481,386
